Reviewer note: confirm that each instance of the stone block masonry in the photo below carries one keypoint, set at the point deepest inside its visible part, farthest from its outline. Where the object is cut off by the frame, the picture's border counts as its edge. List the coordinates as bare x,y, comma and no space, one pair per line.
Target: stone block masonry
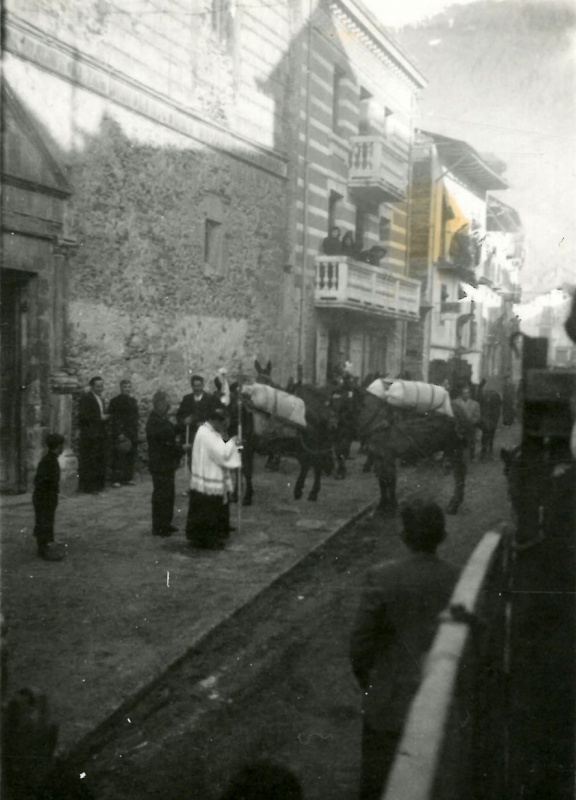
147,298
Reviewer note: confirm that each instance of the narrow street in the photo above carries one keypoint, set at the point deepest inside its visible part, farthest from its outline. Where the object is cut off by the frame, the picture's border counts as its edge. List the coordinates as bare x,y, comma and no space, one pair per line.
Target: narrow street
275,680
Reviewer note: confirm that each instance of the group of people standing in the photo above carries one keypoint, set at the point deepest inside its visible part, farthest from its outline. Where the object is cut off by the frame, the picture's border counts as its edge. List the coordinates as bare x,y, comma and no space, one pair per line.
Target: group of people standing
200,434
335,244
100,426
108,435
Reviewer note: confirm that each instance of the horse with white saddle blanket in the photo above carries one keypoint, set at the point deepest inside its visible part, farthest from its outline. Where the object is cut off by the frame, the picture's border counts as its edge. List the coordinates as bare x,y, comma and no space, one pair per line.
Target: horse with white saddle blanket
408,420
296,425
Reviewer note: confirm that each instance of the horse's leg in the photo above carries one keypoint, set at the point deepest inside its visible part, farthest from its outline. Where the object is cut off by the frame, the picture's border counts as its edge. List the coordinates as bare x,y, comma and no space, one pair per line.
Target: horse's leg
317,467
485,444
340,462
300,480
368,464
491,436
458,459
385,470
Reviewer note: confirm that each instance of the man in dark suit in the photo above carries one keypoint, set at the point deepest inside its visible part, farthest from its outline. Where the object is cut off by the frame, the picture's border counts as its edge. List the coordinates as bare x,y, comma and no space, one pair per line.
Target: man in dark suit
195,408
393,630
123,411
93,439
164,454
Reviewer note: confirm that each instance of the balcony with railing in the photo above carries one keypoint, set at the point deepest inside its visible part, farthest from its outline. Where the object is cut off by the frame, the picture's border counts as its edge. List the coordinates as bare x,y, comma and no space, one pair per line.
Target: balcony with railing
347,284
377,173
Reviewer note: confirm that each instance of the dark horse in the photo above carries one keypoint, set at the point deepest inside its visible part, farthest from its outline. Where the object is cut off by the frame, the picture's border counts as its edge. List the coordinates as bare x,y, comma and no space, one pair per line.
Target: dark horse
393,434
312,446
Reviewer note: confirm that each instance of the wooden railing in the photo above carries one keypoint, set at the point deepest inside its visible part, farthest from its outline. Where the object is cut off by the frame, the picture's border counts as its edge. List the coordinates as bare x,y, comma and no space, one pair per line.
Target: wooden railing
345,283
377,168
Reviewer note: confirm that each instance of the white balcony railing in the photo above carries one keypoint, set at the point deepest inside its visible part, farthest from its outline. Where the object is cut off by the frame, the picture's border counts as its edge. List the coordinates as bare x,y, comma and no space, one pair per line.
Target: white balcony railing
376,170
344,283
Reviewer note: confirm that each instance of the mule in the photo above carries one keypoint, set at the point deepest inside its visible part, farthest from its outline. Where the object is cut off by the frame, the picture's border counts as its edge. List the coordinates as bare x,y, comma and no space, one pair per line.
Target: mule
311,447
393,434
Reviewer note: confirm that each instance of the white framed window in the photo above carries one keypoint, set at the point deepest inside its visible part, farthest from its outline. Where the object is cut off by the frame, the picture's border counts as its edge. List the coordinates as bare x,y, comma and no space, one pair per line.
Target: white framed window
220,19
213,245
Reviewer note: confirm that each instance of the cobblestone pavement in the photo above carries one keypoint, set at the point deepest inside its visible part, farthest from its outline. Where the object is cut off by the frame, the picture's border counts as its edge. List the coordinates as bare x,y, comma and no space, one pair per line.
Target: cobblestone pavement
93,630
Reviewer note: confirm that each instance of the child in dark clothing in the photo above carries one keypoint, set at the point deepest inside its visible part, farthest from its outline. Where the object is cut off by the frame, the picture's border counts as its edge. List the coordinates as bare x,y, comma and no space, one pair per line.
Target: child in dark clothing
45,497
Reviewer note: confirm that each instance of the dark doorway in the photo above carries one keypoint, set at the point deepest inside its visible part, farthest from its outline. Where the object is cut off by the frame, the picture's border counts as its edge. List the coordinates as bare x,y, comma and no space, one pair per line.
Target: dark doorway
12,311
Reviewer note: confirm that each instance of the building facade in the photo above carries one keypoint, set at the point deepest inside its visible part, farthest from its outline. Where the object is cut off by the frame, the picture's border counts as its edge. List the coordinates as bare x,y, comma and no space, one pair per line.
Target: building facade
147,223
448,255
352,169
504,259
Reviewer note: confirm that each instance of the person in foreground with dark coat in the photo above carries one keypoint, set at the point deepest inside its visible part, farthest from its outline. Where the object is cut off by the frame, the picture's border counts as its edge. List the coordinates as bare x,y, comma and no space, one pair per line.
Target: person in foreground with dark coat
164,454
93,439
45,495
123,410
394,628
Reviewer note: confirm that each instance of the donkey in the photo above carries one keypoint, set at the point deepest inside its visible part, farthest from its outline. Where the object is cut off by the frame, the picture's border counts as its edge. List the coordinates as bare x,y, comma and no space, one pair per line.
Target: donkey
393,434
312,447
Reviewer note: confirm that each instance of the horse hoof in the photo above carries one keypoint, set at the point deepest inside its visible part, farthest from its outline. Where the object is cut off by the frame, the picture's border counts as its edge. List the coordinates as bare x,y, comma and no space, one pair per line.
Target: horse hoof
233,498
297,495
247,501
312,498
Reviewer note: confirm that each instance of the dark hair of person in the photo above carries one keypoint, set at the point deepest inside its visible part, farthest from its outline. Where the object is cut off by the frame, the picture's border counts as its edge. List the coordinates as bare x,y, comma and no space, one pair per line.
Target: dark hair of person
335,228
125,382
196,378
423,525
218,415
54,440
264,780
93,380
159,398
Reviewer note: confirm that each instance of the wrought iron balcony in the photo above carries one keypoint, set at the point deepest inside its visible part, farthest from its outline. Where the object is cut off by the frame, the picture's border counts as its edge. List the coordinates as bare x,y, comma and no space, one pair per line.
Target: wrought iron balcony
377,173
344,283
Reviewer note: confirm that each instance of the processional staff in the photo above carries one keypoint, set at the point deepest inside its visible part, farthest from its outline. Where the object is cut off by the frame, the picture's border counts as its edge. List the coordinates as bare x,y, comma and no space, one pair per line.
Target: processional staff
240,447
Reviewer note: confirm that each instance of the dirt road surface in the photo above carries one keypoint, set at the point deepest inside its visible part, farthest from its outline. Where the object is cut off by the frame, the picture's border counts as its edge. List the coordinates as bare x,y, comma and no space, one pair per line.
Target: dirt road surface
273,676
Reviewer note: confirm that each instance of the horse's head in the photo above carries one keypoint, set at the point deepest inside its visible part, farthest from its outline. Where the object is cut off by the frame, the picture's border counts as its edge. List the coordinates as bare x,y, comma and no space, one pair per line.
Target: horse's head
373,413
264,374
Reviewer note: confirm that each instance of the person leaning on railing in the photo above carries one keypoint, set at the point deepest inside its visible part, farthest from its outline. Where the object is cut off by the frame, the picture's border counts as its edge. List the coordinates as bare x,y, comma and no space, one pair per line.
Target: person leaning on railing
393,630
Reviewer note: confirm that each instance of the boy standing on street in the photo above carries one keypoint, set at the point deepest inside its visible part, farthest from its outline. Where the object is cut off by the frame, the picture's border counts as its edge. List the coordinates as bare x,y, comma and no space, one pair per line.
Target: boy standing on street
45,496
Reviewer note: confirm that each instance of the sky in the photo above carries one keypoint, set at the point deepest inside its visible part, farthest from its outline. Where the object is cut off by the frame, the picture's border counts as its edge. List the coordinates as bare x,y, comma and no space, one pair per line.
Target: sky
396,13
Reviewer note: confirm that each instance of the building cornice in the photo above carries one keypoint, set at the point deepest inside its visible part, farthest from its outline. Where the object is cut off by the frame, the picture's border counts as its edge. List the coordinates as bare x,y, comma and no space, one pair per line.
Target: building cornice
358,19
31,44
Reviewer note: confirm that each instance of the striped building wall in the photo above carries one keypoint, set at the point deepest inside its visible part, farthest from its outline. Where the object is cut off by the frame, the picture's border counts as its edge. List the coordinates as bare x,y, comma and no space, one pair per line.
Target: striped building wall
344,53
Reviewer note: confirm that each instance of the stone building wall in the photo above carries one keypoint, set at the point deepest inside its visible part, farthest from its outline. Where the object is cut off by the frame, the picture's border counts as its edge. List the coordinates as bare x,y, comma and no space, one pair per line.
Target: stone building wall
154,123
